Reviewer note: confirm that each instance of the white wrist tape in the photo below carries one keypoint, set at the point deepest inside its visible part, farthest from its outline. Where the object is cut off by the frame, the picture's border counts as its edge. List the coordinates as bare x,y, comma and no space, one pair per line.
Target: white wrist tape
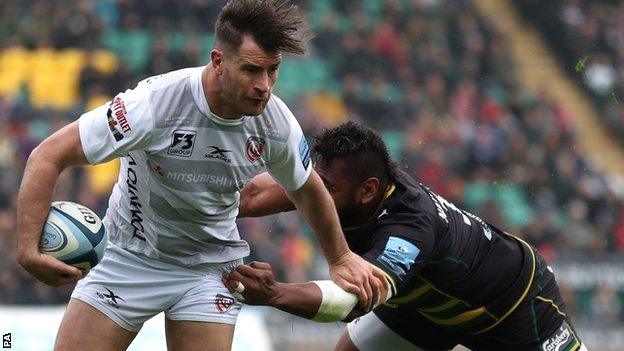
336,303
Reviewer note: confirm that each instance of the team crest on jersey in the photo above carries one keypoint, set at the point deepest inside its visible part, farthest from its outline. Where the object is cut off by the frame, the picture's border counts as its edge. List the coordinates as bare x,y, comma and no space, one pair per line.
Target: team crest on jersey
223,303
254,148
182,143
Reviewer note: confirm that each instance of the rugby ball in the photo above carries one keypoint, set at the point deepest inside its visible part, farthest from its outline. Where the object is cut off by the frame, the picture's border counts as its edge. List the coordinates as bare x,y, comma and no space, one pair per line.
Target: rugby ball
74,234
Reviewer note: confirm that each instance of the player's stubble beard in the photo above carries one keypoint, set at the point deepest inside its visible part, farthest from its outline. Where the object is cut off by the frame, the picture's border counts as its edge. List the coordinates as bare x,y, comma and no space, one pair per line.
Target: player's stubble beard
236,97
349,212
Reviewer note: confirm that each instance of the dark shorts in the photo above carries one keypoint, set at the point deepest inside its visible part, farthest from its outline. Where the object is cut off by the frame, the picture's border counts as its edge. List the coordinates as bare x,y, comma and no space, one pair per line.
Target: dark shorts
540,322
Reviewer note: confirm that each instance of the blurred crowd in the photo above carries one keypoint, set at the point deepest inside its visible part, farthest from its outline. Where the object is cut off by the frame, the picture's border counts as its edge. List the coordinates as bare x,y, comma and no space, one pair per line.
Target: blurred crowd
589,36
432,76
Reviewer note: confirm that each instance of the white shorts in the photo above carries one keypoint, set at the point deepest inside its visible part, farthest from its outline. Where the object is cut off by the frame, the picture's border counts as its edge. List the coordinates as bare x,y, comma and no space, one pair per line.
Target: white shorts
131,288
369,333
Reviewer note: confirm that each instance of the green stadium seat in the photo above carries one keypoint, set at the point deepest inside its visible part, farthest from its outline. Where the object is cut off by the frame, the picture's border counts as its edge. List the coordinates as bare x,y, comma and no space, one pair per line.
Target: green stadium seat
132,46
207,43
514,204
395,140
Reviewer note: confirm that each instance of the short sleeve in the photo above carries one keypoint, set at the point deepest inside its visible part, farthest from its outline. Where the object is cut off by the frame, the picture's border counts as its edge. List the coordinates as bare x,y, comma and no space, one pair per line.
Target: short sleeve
401,251
117,127
291,166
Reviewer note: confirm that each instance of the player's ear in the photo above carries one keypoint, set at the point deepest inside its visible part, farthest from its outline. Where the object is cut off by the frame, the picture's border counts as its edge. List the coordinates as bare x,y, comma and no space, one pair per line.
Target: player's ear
216,59
368,190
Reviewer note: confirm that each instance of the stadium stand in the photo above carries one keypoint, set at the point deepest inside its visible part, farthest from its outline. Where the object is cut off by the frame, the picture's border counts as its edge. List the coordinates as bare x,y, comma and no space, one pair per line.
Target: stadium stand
433,76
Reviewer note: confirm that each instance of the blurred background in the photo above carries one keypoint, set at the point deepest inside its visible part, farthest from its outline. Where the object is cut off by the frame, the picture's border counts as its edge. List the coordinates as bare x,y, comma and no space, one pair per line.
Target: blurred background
511,109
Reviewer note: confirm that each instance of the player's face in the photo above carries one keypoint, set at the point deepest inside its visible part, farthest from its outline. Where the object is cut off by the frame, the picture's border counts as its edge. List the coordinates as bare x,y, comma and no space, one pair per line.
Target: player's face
335,176
248,78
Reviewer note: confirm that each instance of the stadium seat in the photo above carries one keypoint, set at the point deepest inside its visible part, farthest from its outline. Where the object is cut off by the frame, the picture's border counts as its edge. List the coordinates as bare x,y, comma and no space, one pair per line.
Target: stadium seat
132,46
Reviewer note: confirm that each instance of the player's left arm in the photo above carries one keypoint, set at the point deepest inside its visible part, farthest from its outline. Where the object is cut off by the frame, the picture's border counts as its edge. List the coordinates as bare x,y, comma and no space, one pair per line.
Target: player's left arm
321,301
263,196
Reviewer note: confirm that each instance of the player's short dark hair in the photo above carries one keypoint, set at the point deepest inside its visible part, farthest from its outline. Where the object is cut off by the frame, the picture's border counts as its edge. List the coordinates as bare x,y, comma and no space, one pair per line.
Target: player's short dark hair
365,151
275,25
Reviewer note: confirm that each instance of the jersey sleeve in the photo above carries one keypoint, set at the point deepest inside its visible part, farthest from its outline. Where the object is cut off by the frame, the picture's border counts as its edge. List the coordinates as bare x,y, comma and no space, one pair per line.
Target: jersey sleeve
401,250
291,165
117,127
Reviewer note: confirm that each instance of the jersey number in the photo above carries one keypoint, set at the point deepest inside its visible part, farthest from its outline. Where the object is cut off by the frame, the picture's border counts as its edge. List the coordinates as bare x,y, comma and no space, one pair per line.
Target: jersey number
443,206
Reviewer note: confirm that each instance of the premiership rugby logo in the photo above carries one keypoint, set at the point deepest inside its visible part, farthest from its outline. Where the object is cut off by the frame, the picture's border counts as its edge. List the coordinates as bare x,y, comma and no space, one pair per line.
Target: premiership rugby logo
223,303
254,148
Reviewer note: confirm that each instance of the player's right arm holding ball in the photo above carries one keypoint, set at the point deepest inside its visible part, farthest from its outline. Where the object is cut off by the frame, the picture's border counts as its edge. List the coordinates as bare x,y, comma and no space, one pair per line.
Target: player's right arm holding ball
46,162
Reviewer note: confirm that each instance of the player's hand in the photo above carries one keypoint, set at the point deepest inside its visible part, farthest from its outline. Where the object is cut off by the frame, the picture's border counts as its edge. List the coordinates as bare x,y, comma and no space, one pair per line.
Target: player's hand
50,270
355,275
260,287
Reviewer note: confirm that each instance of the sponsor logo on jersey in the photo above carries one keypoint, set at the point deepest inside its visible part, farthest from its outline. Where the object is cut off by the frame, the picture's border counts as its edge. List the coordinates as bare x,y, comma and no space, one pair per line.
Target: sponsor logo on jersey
254,148
205,178
110,297
216,152
119,113
135,203
182,143
223,303
559,341
399,255
116,116
304,152
112,123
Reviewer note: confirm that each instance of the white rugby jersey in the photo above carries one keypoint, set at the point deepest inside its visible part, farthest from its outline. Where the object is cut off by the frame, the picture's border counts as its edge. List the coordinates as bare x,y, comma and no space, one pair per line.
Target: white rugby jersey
177,195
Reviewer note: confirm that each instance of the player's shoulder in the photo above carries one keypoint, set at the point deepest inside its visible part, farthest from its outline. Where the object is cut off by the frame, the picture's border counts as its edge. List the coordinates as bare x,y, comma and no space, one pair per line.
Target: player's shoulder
168,80
409,195
408,204
276,109
276,121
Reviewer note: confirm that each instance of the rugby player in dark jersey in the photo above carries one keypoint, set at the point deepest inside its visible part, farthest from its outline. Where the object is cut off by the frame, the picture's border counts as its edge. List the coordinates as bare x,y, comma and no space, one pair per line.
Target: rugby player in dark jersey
452,277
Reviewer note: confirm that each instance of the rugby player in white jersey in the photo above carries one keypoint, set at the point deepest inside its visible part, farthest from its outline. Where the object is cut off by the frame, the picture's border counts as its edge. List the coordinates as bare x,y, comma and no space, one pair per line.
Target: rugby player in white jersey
188,140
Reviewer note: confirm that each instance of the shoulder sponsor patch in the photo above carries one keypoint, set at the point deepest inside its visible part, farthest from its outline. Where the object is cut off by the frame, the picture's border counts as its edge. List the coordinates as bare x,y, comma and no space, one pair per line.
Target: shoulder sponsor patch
116,117
562,339
399,255
304,152
182,143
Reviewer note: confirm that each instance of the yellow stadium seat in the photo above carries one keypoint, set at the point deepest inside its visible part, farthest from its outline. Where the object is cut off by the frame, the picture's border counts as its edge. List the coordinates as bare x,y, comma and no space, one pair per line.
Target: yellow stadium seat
100,178
14,62
104,61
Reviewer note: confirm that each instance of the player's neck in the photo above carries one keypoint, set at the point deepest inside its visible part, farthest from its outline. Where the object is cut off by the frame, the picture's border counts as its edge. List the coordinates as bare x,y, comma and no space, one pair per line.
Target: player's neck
212,93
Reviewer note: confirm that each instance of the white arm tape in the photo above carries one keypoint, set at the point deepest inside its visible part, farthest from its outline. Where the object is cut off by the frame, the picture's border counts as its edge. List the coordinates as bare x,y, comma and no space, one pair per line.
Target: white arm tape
337,303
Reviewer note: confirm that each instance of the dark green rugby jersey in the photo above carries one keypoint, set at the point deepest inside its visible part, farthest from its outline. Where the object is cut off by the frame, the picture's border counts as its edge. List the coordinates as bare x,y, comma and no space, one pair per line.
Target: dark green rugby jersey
443,262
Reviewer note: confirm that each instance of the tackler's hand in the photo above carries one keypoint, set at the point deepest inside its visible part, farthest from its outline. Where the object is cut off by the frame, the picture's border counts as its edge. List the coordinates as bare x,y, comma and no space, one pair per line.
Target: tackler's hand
253,284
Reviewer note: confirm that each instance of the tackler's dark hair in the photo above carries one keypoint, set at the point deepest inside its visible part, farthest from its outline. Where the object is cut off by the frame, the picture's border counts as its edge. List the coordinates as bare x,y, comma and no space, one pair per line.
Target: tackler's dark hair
364,150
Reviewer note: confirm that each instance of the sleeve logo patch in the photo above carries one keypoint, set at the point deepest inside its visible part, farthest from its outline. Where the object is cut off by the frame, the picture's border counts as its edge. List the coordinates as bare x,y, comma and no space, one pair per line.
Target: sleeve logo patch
399,255
116,116
304,152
